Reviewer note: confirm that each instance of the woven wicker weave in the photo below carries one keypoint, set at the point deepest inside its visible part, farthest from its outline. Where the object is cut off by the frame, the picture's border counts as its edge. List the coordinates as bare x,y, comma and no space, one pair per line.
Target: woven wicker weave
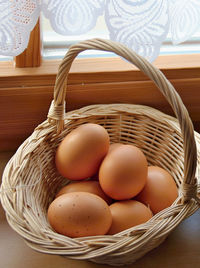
30,180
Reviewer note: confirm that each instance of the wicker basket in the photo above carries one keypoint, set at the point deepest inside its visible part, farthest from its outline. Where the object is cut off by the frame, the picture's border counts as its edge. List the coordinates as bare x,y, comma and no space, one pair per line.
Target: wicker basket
30,179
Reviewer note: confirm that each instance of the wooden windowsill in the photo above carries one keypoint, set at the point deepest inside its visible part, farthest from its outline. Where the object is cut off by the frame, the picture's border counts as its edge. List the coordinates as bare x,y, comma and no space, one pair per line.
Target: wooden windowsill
166,63
26,93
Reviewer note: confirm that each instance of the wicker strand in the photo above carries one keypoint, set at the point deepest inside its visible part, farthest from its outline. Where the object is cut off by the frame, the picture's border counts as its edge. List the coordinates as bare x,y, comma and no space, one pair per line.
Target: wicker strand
189,191
56,115
4,190
56,112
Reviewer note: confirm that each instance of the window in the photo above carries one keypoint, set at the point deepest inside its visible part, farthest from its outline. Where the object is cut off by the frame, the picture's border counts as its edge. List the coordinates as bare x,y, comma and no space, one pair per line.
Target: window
5,58
54,44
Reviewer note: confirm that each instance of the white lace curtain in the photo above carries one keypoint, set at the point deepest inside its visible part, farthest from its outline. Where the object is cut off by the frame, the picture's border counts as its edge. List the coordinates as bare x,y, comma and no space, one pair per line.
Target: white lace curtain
140,24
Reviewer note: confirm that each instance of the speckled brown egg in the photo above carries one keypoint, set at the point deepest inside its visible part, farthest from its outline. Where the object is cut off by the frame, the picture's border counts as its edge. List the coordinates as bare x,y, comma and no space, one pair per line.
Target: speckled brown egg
79,214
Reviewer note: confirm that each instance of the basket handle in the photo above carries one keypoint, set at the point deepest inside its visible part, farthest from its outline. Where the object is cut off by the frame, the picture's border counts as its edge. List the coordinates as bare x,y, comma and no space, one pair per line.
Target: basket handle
57,108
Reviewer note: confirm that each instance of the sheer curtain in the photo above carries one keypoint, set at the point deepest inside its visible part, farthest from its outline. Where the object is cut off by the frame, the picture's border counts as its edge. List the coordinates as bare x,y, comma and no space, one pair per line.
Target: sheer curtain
139,24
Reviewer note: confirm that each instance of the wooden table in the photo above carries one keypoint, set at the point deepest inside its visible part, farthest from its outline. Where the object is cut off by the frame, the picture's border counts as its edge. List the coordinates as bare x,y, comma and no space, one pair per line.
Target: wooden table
181,248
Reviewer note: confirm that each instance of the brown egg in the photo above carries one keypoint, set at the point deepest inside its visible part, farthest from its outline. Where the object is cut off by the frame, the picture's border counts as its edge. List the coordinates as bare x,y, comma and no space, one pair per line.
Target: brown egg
92,187
126,214
123,172
80,153
79,214
160,190
114,146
